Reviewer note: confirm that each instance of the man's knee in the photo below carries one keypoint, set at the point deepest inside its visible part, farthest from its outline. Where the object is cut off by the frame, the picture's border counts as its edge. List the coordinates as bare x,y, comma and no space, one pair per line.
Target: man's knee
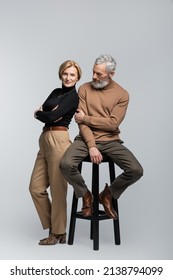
66,165
63,165
137,171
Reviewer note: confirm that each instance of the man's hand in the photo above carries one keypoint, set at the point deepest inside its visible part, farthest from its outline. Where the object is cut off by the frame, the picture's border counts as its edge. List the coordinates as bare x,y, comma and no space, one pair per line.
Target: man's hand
95,155
79,116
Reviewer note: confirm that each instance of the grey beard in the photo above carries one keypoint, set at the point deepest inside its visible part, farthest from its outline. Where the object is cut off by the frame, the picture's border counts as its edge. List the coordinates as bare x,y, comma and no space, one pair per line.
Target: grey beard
99,85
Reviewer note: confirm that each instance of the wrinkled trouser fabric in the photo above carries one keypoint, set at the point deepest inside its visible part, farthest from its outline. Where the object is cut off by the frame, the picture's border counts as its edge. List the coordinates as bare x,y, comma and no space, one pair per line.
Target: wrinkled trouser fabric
121,156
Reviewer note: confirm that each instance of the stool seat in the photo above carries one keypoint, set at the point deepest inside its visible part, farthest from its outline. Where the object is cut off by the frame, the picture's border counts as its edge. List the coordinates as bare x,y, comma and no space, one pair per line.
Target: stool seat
98,215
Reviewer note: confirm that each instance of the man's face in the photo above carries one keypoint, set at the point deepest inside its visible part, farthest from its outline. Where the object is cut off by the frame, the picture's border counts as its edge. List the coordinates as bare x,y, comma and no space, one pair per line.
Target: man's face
101,76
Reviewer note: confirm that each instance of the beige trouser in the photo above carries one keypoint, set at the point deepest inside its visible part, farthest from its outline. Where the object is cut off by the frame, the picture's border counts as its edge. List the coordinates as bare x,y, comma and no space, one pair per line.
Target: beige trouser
46,172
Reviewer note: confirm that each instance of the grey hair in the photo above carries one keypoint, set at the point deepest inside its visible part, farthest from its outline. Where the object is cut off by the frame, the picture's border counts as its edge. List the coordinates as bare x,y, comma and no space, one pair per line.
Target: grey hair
108,60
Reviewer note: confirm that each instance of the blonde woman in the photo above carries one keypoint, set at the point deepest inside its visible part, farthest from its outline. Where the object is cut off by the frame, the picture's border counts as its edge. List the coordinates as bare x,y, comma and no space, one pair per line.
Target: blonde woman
56,113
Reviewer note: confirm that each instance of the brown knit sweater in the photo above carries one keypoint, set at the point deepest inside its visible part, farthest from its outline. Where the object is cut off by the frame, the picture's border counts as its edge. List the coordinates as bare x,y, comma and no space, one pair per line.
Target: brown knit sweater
104,111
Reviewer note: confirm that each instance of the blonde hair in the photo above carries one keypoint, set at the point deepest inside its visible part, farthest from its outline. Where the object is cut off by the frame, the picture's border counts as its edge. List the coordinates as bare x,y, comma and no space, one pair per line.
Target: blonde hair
68,63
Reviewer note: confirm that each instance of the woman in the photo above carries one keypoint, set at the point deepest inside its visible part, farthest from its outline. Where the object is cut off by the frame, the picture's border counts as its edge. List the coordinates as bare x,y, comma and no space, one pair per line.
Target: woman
56,112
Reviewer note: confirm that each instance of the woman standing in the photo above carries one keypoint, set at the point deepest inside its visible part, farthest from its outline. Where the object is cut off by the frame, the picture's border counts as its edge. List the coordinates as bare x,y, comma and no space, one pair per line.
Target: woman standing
56,113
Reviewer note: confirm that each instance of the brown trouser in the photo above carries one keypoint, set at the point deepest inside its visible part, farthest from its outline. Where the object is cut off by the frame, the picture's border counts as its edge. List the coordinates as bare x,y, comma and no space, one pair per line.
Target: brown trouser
121,156
46,172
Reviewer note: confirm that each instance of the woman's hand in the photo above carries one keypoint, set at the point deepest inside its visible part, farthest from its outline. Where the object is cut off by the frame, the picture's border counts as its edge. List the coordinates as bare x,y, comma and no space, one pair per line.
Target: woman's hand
79,116
39,109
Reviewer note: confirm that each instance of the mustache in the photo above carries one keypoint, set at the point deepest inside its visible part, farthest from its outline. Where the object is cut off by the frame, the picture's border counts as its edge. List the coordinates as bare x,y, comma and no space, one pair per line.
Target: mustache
99,84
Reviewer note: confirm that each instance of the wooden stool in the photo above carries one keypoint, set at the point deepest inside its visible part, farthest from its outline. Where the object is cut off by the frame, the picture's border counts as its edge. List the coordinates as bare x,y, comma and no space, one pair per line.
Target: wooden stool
98,215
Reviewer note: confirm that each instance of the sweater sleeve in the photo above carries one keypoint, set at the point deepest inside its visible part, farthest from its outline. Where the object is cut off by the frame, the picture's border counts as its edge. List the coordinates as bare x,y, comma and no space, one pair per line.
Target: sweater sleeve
68,103
84,128
112,121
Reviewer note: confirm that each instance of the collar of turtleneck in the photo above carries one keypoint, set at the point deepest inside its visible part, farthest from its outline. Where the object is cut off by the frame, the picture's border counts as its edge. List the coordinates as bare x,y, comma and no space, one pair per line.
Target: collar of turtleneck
67,89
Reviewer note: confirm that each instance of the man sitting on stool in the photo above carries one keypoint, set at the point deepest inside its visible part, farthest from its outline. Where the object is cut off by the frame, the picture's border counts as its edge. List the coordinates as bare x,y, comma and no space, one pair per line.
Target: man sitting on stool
102,107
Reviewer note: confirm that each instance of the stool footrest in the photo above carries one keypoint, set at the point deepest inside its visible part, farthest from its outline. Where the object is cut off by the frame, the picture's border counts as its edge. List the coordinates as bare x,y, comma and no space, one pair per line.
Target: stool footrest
101,216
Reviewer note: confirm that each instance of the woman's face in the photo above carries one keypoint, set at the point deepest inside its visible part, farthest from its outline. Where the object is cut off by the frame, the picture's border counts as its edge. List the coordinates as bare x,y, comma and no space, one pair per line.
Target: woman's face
69,77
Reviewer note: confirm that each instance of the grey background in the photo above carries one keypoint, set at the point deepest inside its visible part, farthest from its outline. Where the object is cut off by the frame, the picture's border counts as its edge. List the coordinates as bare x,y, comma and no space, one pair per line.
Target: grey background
38,35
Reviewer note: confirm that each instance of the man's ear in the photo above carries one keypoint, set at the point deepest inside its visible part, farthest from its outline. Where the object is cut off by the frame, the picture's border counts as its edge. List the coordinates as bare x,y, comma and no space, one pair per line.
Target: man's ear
111,74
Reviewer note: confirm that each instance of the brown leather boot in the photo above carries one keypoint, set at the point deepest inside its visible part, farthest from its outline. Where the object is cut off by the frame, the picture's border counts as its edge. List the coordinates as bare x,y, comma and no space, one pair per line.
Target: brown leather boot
87,208
105,198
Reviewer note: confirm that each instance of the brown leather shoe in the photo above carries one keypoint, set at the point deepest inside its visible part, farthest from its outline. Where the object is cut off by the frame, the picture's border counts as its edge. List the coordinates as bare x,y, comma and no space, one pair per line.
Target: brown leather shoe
105,198
87,208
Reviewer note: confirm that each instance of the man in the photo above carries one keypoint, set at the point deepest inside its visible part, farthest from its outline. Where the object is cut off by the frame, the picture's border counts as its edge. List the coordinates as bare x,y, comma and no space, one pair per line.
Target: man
102,108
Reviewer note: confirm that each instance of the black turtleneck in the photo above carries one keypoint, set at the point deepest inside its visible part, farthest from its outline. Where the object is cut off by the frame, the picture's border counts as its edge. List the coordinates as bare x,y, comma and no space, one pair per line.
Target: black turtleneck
67,100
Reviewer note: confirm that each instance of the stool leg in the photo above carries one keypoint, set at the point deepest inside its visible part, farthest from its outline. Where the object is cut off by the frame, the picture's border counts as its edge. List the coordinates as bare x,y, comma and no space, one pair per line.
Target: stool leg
73,220
94,231
73,215
115,205
116,223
